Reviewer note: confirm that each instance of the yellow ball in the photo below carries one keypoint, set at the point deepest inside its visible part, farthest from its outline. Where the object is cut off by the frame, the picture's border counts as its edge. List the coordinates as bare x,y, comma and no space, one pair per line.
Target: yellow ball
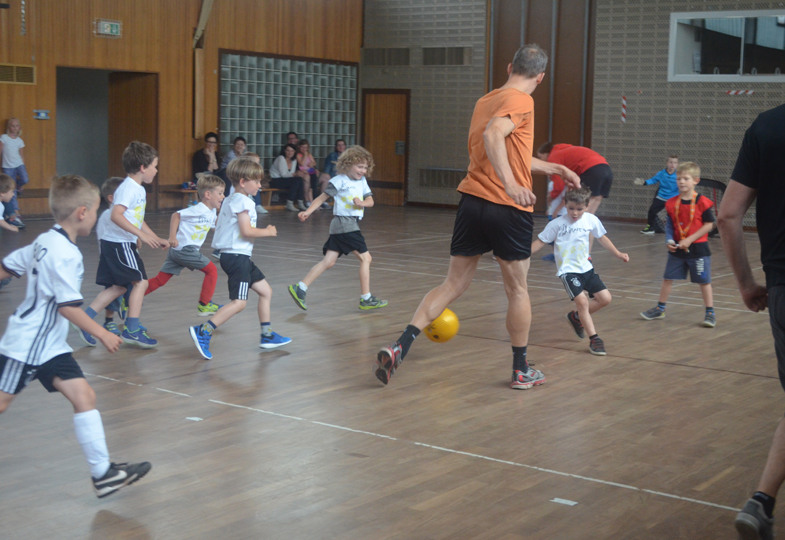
444,327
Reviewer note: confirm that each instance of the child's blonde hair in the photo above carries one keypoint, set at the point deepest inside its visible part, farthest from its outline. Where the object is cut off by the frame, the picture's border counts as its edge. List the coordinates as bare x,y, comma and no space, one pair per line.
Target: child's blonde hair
353,156
6,183
207,182
109,186
578,196
69,192
243,168
689,167
8,124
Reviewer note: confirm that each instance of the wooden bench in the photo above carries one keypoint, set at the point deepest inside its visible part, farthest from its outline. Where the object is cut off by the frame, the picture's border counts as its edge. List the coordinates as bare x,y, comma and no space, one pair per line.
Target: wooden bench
189,195
266,195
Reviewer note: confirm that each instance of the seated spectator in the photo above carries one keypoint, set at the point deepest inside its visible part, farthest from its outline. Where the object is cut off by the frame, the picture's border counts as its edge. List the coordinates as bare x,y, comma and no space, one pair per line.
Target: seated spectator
283,175
307,170
239,147
208,158
328,171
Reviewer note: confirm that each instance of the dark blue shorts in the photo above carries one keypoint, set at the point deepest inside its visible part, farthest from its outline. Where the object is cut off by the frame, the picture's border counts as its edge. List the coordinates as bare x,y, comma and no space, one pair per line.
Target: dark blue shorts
699,269
482,226
119,264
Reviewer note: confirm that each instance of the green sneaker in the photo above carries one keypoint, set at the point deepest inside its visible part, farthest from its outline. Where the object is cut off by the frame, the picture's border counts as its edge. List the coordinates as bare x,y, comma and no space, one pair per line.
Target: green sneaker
372,303
208,309
298,295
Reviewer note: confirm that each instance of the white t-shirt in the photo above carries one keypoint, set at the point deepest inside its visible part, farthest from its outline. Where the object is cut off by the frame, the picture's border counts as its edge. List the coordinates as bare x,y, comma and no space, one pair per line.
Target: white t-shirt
346,190
101,225
134,197
227,235
572,242
11,147
195,222
36,332
279,168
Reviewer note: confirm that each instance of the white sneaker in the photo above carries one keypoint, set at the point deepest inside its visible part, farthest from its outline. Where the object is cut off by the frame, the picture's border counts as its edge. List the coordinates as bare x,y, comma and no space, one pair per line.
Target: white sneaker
261,209
302,206
290,206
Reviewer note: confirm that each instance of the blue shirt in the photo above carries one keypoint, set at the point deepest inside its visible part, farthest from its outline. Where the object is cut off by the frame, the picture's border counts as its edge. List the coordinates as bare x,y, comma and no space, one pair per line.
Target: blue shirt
668,188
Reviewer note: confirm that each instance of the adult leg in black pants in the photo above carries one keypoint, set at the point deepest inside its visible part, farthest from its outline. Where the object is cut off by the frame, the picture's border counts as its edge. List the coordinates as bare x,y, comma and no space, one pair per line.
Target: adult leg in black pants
294,187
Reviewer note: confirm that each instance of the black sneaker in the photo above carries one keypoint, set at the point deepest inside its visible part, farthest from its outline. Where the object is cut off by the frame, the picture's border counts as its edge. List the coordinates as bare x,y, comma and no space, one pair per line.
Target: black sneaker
752,522
119,475
575,322
596,346
647,230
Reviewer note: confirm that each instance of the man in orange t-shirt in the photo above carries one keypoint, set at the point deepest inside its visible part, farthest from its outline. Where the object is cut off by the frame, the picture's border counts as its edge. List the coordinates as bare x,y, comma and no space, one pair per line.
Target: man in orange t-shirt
593,169
494,214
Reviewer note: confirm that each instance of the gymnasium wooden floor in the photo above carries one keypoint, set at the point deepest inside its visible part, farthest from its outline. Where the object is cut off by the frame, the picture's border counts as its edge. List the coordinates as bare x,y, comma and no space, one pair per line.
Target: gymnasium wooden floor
663,438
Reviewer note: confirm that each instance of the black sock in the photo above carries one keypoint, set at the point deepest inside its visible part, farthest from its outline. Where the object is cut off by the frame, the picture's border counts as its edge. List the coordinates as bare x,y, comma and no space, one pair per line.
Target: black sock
594,336
766,500
519,359
108,320
407,338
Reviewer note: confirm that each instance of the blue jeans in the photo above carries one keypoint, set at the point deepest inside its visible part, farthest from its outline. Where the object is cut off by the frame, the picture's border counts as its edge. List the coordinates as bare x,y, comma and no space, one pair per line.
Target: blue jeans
19,174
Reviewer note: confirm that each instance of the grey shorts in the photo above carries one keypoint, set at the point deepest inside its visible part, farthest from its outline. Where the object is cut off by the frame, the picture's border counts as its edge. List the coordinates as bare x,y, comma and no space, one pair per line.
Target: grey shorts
189,257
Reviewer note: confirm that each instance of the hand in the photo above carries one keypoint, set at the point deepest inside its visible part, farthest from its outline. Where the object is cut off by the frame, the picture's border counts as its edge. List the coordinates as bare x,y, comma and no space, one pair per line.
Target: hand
302,216
639,181
357,202
110,341
672,246
755,296
271,230
570,178
173,242
685,244
520,195
624,257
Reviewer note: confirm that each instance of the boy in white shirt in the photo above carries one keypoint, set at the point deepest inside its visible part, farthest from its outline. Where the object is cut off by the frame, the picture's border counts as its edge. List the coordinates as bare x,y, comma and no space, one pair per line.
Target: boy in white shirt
571,233
235,231
34,344
187,230
120,265
352,196
118,305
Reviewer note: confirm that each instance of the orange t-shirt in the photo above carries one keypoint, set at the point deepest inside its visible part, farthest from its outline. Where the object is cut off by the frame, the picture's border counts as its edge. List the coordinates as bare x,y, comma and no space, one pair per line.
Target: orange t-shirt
481,179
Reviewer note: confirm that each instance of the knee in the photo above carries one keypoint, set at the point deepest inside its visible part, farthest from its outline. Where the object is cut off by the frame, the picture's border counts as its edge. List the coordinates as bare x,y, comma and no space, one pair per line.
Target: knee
366,258
84,399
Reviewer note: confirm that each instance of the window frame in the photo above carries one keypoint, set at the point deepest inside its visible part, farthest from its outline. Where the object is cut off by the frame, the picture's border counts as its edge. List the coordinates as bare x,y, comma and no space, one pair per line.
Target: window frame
726,77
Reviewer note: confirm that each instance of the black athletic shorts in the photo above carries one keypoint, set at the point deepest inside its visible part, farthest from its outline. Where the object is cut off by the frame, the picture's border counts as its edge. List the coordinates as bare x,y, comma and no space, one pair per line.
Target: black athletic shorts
599,178
575,284
242,274
345,243
15,375
119,264
482,226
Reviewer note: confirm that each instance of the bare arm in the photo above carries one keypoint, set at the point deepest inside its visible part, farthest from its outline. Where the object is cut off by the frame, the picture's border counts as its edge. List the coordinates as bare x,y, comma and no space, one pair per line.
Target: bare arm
546,167
77,316
537,245
607,244
174,224
365,203
317,202
735,202
494,136
244,222
7,226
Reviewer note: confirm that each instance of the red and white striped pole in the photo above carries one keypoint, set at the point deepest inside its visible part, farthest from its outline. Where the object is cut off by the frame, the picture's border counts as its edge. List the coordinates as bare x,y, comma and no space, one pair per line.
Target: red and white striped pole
740,92
623,109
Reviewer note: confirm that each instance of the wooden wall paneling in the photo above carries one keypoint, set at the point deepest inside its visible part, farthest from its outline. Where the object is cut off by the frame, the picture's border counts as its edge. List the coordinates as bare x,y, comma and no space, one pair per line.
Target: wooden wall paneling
568,72
157,38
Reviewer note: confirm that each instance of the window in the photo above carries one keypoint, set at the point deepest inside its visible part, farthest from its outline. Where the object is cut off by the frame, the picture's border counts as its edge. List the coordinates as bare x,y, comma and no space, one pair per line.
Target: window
727,46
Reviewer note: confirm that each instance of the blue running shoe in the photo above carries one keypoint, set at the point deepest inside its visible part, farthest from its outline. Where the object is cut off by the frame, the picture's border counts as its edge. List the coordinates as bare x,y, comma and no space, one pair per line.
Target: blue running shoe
112,327
139,338
87,338
550,257
202,341
273,340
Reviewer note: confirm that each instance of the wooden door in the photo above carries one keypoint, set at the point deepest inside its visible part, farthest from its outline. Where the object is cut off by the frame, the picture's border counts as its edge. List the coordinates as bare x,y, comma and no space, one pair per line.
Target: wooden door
386,135
133,116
